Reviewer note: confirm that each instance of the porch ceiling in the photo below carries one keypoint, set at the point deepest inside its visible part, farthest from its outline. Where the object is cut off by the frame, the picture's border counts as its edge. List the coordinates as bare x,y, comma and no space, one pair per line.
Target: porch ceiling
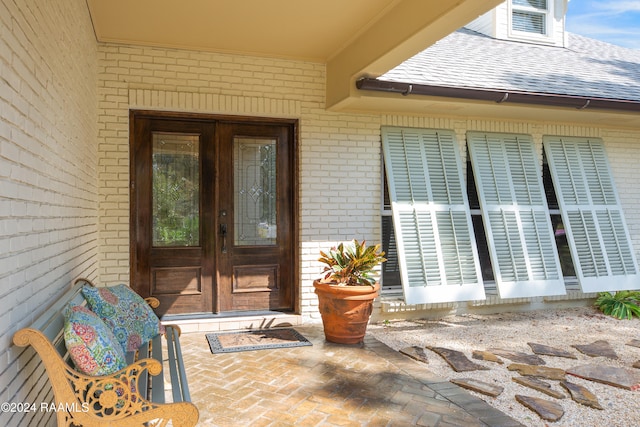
353,38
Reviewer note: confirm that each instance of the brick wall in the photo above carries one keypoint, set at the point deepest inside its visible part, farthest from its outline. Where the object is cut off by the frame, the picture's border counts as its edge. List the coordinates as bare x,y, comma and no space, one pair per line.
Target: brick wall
340,174
48,175
333,146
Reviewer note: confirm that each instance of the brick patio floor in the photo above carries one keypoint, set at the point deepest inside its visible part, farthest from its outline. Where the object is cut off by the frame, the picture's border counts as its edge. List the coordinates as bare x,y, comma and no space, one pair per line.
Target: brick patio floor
325,385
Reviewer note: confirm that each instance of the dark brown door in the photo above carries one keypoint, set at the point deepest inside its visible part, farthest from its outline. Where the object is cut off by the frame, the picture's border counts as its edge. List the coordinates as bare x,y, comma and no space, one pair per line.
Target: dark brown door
254,250
213,213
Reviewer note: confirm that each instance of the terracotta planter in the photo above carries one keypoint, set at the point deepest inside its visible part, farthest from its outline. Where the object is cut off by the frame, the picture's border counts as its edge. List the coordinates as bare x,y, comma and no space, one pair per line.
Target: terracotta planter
345,310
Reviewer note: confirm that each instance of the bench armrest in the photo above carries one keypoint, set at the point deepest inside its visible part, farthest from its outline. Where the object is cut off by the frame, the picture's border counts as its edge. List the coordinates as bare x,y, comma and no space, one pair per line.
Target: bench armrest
104,400
153,302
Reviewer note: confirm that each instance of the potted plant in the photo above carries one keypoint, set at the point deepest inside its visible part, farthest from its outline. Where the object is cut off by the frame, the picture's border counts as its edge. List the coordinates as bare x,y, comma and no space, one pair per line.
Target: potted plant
347,290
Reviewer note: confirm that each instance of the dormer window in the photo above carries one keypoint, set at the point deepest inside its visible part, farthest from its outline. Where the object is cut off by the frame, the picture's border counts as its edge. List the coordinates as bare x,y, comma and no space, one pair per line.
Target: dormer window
530,16
526,21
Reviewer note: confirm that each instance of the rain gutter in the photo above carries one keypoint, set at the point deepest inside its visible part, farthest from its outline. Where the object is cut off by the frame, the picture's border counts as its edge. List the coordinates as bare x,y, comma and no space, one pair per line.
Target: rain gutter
499,96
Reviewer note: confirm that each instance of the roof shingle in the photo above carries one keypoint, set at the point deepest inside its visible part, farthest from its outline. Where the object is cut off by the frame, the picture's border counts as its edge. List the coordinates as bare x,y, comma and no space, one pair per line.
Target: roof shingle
467,59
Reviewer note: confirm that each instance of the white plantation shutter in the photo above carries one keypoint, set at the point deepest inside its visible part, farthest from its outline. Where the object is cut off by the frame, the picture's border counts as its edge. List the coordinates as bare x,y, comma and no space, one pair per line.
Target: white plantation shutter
436,246
600,246
516,218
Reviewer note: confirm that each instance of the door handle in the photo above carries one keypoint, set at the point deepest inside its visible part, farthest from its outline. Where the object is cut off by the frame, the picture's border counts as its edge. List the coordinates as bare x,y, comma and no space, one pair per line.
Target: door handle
223,233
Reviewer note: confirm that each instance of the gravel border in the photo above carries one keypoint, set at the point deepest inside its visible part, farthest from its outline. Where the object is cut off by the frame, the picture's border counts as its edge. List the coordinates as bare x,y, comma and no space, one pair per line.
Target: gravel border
556,328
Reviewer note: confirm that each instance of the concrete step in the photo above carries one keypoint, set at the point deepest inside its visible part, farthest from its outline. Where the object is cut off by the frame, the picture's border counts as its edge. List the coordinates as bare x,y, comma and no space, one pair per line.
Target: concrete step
229,322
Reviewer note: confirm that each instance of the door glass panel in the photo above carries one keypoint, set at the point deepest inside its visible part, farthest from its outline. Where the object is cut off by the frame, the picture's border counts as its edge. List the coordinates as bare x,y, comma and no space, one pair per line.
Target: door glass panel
254,191
176,189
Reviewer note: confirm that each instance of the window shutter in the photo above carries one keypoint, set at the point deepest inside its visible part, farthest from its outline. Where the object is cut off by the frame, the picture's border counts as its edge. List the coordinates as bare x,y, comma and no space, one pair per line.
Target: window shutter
515,214
436,246
600,245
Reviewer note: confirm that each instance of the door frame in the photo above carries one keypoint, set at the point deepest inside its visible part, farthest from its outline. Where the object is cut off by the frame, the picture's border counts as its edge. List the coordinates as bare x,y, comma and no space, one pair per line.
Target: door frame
294,165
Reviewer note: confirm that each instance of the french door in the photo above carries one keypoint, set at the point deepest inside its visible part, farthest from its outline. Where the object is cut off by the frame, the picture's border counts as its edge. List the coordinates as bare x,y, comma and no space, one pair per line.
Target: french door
213,212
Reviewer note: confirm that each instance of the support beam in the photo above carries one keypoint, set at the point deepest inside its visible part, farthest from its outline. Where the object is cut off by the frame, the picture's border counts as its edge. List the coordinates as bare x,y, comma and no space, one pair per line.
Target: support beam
408,28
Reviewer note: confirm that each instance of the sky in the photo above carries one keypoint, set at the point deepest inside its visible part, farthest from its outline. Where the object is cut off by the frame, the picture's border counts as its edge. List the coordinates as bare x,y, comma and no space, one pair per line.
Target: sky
612,21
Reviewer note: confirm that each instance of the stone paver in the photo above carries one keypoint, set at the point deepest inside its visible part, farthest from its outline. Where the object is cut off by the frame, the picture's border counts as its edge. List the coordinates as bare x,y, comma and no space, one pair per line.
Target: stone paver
546,409
550,351
457,360
610,375
538,384
479,386
416,353
581,394
537,371
597,349
486,356
518,356
326,385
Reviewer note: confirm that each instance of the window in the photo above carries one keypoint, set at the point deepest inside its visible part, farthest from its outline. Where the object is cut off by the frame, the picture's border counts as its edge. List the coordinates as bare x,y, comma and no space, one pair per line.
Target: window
390,269
530,16
529,226
564,252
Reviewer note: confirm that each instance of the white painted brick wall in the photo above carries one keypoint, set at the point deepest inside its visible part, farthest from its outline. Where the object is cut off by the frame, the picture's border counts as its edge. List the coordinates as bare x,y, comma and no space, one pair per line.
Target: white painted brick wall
340,177
48,176
339,156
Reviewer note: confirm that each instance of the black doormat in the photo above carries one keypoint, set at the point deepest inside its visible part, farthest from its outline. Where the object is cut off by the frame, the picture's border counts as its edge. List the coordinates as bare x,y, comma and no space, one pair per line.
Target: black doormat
228,342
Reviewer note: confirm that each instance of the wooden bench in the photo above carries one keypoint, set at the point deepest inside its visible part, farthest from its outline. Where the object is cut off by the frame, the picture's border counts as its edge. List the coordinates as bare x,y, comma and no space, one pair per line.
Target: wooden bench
133,396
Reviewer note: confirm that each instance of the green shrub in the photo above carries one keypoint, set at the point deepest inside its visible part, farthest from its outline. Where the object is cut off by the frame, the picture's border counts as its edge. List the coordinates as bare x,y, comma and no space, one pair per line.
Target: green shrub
621,304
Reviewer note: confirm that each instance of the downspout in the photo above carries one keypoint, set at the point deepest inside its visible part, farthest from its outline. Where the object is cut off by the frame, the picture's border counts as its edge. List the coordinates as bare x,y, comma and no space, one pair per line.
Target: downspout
498,96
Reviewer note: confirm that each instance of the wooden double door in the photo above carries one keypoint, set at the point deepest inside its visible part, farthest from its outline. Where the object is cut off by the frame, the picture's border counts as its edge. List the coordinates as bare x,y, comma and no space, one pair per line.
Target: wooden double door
213,212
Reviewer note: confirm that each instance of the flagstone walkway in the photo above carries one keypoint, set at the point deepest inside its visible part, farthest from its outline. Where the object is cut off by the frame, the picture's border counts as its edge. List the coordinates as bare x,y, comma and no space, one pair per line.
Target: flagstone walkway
326,385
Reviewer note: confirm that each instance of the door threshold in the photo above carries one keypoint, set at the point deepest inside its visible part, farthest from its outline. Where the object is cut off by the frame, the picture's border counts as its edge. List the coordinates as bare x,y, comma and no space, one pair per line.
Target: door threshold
232,321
